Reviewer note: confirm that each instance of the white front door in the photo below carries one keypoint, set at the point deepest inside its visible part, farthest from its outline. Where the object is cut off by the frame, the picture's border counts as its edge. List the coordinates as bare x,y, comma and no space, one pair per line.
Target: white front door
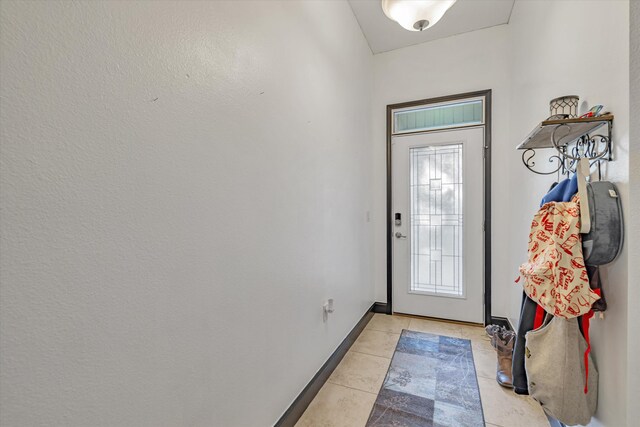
437,231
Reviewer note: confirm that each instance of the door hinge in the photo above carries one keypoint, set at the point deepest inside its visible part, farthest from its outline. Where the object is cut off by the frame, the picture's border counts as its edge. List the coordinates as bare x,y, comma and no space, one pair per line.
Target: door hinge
483,225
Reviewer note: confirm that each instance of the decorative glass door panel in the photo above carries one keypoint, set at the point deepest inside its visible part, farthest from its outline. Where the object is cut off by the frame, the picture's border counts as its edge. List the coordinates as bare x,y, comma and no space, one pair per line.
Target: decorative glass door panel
436,217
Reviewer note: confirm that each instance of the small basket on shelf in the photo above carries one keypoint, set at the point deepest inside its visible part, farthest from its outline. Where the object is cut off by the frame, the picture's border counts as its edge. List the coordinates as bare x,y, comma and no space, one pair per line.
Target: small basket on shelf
564,106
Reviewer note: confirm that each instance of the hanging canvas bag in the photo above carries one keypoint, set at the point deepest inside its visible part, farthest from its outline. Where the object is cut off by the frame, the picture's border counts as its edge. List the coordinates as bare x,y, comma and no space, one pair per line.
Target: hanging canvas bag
561,374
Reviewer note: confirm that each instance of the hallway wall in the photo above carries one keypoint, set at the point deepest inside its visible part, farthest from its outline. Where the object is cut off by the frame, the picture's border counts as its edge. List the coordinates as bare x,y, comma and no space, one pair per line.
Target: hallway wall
183,184
468,62
541,54
552,57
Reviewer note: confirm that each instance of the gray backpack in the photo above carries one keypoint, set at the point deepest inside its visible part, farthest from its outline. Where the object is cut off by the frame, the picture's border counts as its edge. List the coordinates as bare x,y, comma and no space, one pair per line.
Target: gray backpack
604,241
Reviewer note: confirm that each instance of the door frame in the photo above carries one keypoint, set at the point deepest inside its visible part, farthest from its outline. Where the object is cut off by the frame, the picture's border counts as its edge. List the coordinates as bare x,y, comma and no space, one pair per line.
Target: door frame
486,94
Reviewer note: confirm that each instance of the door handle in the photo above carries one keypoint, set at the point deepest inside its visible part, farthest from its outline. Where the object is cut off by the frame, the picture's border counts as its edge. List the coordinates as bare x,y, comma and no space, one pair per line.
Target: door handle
399,235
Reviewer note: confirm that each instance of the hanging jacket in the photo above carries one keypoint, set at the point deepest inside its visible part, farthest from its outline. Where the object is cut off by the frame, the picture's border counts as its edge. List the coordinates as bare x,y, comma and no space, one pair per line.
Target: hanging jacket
562,191
525,324
559,192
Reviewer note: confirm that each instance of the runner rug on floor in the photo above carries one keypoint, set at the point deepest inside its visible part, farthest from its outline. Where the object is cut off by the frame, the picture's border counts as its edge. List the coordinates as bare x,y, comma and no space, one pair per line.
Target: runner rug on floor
431,383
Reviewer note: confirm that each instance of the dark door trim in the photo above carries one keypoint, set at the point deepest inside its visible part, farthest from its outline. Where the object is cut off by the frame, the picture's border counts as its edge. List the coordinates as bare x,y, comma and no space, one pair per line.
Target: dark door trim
487,192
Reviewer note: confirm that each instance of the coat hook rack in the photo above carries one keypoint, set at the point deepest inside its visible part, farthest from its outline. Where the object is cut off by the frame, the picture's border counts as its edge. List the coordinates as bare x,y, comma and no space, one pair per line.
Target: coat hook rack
573,139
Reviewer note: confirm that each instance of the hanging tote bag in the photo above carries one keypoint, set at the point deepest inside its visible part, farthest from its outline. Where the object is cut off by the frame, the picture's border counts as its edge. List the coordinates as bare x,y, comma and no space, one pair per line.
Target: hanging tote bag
561,374
555,276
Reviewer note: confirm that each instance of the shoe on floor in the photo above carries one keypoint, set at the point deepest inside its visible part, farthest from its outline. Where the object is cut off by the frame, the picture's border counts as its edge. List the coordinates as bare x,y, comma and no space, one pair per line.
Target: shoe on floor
504,348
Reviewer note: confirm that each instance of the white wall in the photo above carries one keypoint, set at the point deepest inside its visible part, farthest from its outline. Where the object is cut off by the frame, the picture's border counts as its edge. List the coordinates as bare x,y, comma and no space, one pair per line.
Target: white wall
183,184
633,221
551,56
545,51
468,62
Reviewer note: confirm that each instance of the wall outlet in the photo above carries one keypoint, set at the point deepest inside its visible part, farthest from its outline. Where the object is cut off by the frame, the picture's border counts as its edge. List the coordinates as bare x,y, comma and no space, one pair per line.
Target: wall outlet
327,308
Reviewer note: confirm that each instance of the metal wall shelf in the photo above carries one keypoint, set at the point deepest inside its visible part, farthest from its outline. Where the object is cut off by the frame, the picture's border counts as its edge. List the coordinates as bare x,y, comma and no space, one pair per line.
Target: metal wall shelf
540,136
573,139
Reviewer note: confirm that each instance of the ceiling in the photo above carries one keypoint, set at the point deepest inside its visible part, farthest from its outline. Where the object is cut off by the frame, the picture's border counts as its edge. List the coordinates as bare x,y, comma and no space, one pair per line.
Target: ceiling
384,34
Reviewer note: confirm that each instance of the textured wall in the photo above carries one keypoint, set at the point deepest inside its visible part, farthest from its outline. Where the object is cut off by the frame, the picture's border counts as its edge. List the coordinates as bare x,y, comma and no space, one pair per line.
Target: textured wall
543,68
183,184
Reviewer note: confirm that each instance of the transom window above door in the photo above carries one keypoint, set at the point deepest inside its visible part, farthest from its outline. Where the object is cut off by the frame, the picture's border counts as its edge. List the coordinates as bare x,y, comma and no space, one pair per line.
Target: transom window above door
469,112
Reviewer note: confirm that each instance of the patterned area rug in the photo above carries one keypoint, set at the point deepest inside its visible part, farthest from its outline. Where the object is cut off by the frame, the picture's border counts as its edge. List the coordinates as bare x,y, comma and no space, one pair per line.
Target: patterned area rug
431,383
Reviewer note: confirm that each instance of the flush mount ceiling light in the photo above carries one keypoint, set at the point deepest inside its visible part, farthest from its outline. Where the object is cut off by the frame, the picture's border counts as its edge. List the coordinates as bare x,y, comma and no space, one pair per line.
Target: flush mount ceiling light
416,15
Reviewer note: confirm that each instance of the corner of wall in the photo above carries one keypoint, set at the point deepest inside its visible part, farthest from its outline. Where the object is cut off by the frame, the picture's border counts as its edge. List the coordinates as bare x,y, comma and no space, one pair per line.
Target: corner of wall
633,221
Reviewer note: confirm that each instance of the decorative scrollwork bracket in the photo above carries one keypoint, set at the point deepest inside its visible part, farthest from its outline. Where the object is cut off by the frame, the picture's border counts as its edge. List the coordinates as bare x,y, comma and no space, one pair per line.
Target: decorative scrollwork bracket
596,148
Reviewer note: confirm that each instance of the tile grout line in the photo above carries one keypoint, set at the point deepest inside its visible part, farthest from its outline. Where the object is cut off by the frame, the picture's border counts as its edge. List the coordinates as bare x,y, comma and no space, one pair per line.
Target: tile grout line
368,354
351,388
380,330
371,329
440,321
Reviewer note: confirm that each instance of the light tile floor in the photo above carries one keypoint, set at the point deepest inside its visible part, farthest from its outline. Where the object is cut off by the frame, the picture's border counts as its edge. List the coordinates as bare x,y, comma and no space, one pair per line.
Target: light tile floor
349,394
